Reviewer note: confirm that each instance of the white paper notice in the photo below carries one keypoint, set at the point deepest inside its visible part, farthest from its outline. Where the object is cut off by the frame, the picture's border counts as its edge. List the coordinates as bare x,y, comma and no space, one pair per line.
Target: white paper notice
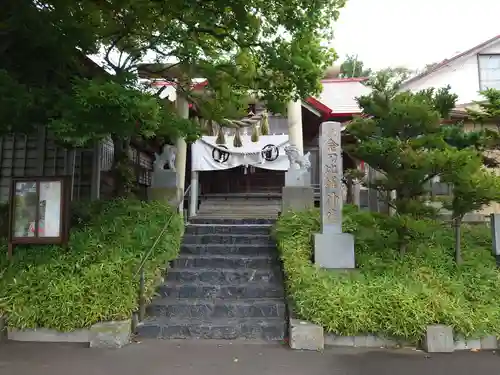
50,192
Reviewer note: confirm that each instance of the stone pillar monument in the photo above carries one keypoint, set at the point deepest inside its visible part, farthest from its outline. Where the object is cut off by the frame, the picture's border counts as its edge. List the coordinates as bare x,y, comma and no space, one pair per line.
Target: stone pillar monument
495,240
164,181
297,194
182,106
332,248
294,121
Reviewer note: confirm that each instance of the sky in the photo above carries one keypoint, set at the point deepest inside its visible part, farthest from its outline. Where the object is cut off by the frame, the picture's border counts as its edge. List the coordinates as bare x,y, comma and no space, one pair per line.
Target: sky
413,33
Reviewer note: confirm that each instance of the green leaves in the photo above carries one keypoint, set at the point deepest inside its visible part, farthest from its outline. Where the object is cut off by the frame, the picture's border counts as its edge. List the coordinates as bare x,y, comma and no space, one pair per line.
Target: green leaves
93,281
400,137
489,108
387,295
99,108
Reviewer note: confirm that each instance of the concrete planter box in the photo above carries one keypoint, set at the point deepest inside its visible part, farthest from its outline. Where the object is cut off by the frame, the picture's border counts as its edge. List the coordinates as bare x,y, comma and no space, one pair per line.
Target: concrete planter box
364,341
483,343
47,335
114,334
304,335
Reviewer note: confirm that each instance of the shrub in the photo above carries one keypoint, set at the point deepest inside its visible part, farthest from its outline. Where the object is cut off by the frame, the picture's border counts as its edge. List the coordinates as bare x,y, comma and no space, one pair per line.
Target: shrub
93,280
392,295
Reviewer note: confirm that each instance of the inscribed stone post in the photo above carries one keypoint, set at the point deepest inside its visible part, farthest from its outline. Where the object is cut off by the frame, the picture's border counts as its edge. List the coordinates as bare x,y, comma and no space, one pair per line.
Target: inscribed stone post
495,240
332,248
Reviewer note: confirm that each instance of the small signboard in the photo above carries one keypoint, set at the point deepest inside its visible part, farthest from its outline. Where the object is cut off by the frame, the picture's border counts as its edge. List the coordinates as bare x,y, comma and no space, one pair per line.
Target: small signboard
39,211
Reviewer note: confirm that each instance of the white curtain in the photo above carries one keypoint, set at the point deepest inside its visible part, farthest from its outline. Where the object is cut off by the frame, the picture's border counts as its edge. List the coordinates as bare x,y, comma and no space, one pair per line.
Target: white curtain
267,153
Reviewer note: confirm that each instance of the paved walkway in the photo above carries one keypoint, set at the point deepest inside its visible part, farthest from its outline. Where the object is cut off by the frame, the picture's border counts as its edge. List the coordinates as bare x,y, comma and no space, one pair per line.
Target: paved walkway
212,358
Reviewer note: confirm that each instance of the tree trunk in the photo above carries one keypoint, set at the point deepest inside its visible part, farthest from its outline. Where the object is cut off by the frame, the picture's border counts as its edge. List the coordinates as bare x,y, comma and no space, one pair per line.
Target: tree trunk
402,241
349,185
121,167
458,242
402,247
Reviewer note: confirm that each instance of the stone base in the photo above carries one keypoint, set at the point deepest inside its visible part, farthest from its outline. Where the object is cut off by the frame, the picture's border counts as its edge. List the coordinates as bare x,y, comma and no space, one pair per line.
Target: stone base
334,250
164,179
297,198
489,343
110,335
369,341
48,335
100,335
306,336
297,177
168,195
439,339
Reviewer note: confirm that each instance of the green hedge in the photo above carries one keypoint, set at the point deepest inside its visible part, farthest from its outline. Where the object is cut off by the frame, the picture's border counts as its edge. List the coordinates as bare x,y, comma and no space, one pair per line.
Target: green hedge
93,280
389,295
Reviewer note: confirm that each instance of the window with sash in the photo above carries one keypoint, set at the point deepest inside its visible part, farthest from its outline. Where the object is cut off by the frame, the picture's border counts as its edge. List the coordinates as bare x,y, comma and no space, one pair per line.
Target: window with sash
489,71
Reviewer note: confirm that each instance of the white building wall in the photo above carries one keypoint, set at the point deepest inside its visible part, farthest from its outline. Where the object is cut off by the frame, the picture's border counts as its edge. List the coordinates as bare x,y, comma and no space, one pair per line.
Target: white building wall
494,49
462,75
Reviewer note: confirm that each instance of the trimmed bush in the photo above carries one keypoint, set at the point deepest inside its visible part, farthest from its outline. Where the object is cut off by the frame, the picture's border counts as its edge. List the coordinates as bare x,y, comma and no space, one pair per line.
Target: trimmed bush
389,295
93,280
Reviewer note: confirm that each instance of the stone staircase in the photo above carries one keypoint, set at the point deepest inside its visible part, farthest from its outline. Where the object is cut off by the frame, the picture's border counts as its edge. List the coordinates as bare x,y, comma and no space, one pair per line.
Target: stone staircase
226,284
239,208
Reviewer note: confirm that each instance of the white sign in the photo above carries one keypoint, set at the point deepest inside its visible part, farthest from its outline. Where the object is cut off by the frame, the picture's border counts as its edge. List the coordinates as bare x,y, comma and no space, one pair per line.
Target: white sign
50,197
267,153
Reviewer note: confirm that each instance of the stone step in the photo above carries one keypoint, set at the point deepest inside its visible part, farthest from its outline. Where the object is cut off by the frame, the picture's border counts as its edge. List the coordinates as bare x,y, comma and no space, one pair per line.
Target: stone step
226,249
225,291
206,309
228,229
254,239
224,275
227,329
239,209
230,221
235,214
227,216
224,261
242,203
243,199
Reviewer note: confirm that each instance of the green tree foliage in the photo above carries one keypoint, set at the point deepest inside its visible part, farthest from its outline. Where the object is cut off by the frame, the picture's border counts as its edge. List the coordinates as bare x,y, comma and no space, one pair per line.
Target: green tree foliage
388,80
267,49
485,138
399,136
482,140
473,187
353,67
489,108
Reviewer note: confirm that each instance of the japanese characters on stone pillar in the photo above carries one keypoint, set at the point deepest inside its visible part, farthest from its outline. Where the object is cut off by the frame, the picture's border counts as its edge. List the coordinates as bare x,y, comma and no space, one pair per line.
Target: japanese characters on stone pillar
495,240
332,248
331,177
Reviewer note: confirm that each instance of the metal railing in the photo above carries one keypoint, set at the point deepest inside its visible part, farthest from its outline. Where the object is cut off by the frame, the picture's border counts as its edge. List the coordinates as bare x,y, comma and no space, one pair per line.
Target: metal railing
179,203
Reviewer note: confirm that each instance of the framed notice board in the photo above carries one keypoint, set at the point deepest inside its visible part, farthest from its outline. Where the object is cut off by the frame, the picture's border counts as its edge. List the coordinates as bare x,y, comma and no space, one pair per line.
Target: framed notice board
39,211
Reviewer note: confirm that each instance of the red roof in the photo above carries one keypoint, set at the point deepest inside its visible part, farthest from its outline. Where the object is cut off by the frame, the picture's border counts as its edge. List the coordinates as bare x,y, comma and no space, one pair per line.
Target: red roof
326,112
447,61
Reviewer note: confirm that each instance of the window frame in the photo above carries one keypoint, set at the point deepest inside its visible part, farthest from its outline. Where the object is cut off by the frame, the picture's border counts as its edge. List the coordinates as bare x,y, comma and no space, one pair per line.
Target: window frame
481,81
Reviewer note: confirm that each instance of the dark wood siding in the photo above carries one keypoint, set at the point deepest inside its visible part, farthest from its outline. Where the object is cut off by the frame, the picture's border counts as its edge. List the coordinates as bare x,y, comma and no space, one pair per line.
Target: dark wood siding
38,154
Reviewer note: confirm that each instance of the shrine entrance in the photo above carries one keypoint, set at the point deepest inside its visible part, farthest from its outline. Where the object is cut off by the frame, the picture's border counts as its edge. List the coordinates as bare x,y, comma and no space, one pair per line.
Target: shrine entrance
241,180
